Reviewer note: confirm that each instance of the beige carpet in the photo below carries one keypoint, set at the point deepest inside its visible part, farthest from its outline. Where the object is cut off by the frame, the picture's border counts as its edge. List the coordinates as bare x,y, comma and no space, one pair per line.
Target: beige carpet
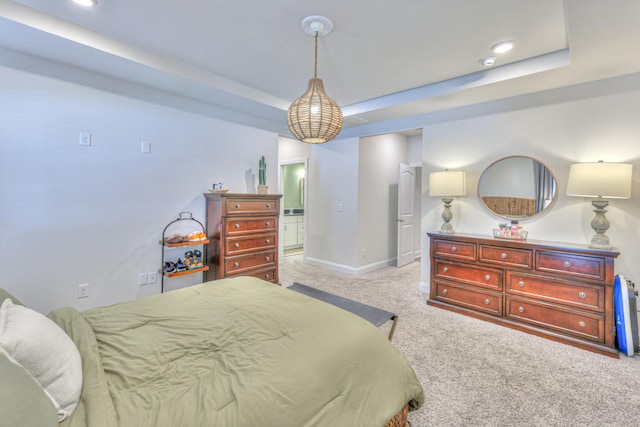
475,373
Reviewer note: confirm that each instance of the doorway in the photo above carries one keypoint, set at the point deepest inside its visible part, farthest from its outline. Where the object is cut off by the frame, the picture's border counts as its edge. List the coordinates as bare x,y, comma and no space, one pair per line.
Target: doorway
293,180
409,213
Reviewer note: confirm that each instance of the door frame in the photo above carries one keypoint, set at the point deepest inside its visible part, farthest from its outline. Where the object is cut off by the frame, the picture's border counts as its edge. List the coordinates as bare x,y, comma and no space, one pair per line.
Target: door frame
305,161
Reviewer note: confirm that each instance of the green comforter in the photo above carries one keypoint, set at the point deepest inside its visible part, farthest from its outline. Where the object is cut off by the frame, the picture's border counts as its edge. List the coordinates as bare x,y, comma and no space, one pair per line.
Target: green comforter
235,352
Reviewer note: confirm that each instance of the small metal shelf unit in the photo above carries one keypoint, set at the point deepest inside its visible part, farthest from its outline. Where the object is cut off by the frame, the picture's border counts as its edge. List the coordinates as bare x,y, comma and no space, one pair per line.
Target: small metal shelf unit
183,216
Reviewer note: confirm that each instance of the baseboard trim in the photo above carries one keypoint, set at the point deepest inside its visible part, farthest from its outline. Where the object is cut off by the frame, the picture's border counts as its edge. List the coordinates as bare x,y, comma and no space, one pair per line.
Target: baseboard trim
353,271
425,287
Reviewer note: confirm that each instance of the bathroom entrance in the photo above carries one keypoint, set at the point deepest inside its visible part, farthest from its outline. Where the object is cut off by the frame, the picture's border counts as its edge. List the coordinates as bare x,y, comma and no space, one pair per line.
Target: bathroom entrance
293,207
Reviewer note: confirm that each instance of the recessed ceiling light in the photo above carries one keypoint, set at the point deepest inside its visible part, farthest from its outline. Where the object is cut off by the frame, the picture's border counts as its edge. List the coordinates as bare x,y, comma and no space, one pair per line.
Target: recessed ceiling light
87,3
503,47
488,61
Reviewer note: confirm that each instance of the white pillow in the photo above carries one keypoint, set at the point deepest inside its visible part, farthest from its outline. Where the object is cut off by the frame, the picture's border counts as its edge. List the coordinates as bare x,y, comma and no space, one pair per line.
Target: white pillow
45,351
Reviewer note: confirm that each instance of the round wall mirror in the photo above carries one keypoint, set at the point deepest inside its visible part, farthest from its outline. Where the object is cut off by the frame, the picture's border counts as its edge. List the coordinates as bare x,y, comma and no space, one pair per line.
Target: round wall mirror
517,187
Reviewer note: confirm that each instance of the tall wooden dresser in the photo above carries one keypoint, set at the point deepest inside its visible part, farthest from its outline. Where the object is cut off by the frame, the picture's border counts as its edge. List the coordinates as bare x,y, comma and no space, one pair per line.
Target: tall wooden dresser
243,234
558,291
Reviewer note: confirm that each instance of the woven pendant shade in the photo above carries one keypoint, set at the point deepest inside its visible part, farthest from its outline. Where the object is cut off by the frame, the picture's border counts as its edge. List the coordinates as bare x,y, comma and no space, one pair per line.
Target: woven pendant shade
314,117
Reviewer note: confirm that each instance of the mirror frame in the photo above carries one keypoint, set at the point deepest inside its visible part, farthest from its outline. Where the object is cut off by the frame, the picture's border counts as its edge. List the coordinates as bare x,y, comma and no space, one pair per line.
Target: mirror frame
515,217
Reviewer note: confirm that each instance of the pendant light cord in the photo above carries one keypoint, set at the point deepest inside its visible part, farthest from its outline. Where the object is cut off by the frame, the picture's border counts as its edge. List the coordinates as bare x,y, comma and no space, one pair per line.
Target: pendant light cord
315,67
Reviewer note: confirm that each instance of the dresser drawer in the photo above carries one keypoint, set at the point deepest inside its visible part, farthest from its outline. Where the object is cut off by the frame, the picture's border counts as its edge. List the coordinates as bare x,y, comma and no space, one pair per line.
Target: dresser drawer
251,261
265,274
580,295
235,226
240,206
510,257
490,278
584,266
468,297
243,244
566,321
454,250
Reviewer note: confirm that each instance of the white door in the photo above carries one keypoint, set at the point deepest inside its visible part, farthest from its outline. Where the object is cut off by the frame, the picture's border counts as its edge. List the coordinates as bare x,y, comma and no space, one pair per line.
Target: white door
406,215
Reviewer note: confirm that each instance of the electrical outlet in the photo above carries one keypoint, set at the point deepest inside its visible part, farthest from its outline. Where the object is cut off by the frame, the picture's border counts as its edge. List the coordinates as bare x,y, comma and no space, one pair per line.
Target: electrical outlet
152,277
142,279
85,139
83,291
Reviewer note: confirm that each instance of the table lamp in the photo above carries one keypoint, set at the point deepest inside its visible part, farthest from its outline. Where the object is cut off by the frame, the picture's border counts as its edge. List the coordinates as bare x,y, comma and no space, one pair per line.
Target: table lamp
447,184
601,181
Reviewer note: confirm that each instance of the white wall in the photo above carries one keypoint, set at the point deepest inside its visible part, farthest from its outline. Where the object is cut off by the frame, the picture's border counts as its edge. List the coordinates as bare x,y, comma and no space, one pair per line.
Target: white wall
332,195
597,121
380,157
361,176
71,215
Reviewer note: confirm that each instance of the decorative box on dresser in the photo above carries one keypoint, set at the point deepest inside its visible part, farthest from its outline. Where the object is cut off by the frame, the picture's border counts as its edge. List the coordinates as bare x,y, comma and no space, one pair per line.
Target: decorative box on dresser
243,234
560,291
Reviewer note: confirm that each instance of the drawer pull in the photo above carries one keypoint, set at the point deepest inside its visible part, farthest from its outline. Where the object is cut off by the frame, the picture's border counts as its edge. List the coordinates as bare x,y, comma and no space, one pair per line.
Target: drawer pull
268,223
453,249
521,284
266,258
236,264
487,277
446,269
487,302
268,205
237,245
567,264
582,324
237,226
521,309
503,256
266,276
237,205
444,292
582,295
268,241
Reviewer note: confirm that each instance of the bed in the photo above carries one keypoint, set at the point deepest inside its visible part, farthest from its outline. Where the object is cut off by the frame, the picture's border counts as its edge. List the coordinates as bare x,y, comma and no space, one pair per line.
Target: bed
232,352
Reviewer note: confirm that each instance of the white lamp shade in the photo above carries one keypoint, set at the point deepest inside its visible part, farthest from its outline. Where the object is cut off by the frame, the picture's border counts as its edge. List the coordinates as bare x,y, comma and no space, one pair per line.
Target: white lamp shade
608,180
447,183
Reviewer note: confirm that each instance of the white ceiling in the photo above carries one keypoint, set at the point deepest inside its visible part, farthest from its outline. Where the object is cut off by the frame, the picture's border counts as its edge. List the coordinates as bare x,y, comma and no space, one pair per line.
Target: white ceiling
385,61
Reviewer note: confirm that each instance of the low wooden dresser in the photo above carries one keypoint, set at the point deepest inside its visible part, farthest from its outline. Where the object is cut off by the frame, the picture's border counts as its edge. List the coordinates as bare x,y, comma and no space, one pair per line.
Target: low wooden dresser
243,234
563,292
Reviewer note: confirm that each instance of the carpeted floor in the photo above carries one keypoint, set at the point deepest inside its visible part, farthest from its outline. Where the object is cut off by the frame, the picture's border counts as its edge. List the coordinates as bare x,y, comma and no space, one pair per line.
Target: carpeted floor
475,373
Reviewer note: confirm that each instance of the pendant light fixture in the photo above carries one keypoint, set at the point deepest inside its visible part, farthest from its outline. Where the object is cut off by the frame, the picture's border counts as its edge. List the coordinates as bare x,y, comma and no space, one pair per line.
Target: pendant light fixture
315,118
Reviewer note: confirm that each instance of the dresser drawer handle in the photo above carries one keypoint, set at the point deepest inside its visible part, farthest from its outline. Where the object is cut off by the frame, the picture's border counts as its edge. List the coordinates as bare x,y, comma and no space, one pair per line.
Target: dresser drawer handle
237,205
267,223
268,241
236,264
237,226
582,324
444,292
268,205
446,269
521,284
503,256
567,264
487,302
453,249
237,245
487,277
521,309
582,295
266,276
267,258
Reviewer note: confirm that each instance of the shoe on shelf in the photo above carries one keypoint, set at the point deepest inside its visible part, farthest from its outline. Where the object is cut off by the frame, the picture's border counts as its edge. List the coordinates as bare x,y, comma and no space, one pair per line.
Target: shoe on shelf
169,267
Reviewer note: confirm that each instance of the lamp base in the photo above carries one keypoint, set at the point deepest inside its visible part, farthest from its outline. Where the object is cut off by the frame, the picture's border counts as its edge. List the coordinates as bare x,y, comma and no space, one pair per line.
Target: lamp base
447,228
599,223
